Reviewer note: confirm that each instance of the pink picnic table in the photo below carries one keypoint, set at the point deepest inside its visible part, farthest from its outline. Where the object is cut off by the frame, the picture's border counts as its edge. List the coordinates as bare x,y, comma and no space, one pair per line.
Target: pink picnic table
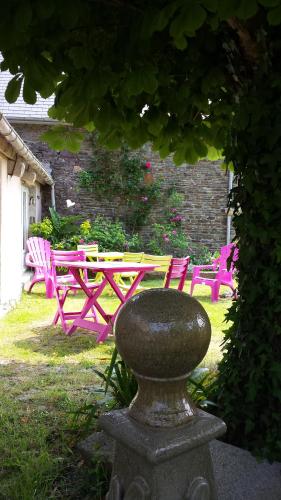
107,269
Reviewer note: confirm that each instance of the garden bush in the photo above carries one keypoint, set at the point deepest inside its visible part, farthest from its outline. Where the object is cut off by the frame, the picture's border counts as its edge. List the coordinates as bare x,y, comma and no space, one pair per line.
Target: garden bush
65,233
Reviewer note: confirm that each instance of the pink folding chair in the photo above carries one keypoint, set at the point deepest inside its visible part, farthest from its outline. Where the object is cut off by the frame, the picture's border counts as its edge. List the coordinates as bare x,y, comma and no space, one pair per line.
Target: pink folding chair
223,276
38,257
67,283
177,269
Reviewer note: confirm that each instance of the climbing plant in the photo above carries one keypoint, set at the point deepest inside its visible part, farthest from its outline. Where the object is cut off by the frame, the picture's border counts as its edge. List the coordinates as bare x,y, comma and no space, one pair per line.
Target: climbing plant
192,77
250,372
123,177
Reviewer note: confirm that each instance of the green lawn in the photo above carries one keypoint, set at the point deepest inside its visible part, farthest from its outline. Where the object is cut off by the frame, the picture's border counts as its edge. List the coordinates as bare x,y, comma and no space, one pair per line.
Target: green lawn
44,377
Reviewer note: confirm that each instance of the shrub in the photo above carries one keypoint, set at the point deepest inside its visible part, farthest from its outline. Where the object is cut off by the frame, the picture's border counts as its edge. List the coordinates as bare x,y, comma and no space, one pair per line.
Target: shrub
42,229
57,229
110,235
200,254
65,234
133,243
168,239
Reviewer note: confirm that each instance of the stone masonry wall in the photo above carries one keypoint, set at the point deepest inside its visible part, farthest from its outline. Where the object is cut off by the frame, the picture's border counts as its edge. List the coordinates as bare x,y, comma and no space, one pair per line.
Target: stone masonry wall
204,187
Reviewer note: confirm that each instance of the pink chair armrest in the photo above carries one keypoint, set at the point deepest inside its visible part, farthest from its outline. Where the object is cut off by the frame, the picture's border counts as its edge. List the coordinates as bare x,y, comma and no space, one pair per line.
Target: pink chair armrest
215,262
29,262
197,269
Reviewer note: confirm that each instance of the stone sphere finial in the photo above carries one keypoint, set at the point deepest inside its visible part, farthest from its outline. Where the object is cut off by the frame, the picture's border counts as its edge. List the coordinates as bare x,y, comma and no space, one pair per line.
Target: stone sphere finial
162,335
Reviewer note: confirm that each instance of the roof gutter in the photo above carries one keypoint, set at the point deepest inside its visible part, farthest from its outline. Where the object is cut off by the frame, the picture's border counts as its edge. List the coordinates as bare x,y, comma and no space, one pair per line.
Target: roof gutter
11,136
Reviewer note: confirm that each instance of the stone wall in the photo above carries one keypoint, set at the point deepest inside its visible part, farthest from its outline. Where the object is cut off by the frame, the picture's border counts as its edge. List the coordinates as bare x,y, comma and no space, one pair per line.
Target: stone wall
204,187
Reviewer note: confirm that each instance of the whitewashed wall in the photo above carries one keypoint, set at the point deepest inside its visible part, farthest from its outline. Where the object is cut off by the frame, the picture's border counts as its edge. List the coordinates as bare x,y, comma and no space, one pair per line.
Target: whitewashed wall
11,251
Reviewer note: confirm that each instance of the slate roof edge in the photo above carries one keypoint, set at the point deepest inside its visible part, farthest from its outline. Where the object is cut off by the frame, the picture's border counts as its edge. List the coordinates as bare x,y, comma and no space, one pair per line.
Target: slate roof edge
12,137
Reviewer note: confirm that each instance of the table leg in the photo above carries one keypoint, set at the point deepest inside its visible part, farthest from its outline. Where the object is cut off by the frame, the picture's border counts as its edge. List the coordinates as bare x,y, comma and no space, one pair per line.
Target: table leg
91,301
123,298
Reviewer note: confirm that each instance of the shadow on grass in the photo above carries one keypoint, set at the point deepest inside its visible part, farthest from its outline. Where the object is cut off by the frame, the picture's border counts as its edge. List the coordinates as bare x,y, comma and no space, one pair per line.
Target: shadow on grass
51,341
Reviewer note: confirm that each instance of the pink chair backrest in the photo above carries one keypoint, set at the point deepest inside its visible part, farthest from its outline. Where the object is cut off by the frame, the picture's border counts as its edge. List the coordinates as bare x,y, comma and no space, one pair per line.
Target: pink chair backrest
225,253
58,256
225,271
39,251
178,269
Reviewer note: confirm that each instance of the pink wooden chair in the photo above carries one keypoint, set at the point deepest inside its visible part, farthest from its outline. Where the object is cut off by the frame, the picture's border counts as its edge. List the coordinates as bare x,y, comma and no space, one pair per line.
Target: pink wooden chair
66,283
223,276
38,257
178,269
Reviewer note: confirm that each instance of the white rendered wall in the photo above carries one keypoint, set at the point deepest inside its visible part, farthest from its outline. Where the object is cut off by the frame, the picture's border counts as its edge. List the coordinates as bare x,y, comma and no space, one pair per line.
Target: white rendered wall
11,246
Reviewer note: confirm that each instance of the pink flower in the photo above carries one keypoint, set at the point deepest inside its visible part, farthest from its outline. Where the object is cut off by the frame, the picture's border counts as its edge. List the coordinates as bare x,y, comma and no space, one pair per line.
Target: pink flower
144,199
93,243
148,164
173,210
167,238
81,241
177,218
174,232
164,235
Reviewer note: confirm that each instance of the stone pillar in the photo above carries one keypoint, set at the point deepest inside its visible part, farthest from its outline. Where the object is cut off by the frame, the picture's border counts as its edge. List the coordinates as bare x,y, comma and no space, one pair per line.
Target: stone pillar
162,439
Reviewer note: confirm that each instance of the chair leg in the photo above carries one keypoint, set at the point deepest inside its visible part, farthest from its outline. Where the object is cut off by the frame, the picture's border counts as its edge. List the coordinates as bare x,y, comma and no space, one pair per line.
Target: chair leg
191,288
215,291
94,314
33,282
60,313
50,289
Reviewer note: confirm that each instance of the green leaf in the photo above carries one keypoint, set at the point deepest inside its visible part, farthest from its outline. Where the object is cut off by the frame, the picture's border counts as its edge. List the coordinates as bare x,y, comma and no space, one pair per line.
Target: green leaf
13,89
227,8
213,154
111,368
188,21
274,16
200,148
56,112
142,79
29,94
191,156
90,127
62,137
4,66
45,8
210,5
179,156
156,122
181,42
247,9
164,150
165,15
81,57
22,16
269,3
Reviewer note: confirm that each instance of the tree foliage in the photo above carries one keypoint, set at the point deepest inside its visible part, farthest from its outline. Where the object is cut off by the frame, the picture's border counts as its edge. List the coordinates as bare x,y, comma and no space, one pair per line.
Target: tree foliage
107,61
192,77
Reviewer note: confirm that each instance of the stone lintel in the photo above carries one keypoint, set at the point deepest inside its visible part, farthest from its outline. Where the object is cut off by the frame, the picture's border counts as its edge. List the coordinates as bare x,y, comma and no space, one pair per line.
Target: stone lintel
29,177
158,445
16,168
6,149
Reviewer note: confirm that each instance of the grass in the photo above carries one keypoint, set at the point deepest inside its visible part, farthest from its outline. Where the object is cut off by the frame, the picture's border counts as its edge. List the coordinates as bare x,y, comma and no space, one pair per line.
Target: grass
44,377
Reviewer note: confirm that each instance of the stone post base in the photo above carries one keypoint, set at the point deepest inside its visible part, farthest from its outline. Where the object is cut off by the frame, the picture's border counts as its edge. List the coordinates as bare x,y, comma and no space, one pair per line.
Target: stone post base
162,464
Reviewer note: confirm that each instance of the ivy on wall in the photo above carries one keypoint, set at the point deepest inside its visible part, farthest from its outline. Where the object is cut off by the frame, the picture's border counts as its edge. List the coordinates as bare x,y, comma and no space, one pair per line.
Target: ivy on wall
127,177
